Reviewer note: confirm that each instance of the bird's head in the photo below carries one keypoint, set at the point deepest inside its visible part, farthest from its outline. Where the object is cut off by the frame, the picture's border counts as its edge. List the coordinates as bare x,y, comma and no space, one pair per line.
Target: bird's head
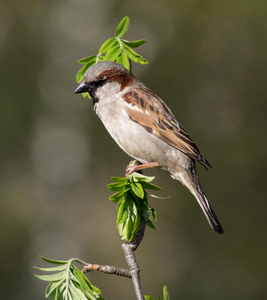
101,73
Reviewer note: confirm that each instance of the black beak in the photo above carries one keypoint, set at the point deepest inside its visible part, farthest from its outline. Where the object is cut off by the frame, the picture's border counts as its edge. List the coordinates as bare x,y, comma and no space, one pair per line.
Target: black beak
82,88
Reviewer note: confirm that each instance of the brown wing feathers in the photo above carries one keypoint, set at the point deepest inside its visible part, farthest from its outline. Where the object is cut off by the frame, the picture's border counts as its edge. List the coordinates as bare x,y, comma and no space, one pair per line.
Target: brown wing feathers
161,122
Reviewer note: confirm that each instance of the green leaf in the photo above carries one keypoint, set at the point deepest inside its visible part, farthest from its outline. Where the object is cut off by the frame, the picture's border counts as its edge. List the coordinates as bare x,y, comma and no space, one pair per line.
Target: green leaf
148,218
76,293
117,186
122,214
141,177
60,268
51,288
150,224
134,44
80,279
165,293
150,186
137,189
113,53
86,95
134,224
122,27
85,284
119,196
52,277
134,56
129,229
124,61
100,58
148,297
108,44
59,292
53,261
120,179
87,59
157,197
146,214
121,231
154,213
128,220
94,289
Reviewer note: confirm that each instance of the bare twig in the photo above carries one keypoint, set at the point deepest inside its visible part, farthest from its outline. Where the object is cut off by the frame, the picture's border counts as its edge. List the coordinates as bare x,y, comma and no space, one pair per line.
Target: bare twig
107,269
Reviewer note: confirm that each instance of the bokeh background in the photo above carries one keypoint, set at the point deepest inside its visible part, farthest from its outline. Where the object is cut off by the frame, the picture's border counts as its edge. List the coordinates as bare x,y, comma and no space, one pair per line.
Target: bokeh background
207,60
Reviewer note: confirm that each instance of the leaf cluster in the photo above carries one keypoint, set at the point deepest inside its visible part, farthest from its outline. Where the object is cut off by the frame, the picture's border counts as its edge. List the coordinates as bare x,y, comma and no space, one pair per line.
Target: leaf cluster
165,295
69,283
114,49
132,199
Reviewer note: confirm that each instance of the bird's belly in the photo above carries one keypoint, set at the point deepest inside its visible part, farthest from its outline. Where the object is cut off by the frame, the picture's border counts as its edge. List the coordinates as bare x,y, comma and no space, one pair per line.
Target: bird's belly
145,147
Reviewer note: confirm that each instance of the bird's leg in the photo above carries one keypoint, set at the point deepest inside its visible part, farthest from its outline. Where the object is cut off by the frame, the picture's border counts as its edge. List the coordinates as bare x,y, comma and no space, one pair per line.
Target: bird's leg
136,166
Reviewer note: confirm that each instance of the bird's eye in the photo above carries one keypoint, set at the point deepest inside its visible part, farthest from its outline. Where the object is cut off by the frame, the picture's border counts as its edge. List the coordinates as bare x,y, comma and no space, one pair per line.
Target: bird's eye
99,83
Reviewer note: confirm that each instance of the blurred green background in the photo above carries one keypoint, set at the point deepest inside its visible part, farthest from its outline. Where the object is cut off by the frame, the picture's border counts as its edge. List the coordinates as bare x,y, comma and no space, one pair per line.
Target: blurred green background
208,61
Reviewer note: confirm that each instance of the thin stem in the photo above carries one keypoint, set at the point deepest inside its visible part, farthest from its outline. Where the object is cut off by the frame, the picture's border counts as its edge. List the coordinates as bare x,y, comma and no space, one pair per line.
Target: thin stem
120,43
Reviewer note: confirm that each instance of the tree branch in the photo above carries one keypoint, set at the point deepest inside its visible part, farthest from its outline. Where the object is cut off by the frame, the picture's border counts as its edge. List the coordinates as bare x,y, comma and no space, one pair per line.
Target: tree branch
128,249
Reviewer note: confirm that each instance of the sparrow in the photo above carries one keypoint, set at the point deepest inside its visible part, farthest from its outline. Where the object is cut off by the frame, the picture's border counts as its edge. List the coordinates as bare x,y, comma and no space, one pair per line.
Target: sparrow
145,128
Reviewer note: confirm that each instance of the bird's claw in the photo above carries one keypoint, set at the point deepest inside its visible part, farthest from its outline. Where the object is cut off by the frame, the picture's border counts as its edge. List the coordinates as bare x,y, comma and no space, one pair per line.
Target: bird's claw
129,170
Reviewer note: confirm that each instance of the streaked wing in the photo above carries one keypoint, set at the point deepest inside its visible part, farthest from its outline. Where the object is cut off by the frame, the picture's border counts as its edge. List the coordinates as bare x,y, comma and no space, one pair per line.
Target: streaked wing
148,110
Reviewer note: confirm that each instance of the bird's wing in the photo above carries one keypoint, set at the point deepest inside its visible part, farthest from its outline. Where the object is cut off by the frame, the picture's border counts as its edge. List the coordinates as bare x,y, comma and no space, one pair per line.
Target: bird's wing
149,111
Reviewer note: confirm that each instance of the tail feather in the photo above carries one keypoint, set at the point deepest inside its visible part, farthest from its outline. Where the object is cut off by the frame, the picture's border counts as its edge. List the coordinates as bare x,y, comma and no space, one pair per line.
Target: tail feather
209,213
192,183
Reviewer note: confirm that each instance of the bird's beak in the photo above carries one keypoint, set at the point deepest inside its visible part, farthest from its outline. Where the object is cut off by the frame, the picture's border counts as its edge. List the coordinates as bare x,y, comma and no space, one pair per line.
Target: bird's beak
82,88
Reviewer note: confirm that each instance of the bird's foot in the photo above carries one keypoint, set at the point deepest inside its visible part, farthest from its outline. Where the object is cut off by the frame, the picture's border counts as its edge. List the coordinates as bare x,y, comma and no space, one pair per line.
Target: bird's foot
134,167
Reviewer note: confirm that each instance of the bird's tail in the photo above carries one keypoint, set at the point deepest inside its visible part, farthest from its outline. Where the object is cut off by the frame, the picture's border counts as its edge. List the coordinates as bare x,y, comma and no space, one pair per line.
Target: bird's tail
192,183
209,213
